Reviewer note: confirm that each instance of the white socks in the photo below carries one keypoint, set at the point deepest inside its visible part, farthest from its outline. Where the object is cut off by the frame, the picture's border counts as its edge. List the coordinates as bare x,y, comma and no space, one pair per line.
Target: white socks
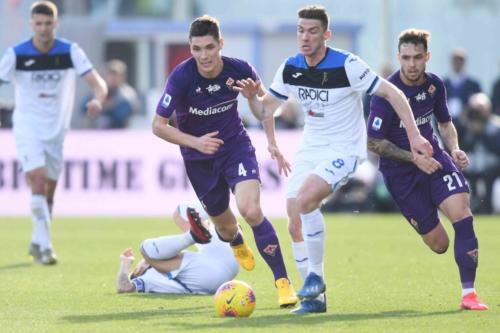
301,258
467,291
41,221
313,227
166,247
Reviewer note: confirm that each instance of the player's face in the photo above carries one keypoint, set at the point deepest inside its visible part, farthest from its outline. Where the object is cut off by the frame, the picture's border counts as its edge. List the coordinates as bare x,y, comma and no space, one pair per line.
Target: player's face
413,59
312,37
206,50
44,27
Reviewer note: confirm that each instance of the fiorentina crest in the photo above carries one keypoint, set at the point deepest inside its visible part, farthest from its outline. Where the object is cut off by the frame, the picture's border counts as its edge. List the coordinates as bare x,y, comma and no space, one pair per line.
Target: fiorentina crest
271,249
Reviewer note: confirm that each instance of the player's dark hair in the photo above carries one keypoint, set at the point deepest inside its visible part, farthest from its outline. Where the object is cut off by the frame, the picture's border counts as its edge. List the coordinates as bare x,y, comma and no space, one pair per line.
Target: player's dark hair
44,8
315,12
205,26
415,37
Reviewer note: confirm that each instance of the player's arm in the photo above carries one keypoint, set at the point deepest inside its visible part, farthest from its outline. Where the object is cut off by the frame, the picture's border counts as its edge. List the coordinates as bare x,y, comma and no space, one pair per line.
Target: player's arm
387,149
263,106
100,91
207,144
397,99
123,283
450,138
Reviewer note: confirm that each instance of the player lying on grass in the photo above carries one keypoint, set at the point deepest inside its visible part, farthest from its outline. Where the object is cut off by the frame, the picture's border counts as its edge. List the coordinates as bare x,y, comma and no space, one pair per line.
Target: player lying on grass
169,268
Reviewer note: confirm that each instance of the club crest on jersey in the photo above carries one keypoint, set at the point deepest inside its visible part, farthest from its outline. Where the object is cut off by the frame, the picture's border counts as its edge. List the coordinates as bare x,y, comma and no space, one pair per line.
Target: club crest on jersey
198,90
213,88
431,90
377,123
271,249
230,83
166,100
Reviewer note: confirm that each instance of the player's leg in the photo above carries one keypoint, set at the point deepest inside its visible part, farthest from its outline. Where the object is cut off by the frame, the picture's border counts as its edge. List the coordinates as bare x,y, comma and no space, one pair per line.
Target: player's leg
165,247
312,192
50,189
457,210
299,247
40,234
31,156
247,195
437,239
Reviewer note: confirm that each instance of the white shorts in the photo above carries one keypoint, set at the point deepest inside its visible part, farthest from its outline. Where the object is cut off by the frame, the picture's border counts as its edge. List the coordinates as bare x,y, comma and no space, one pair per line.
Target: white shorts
35,153
201,272
331,166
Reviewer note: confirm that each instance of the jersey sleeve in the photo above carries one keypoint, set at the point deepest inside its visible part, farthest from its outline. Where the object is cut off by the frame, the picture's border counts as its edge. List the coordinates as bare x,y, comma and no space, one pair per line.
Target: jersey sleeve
360,76
278,87
81,63
441,111
7,65
380,118
172,95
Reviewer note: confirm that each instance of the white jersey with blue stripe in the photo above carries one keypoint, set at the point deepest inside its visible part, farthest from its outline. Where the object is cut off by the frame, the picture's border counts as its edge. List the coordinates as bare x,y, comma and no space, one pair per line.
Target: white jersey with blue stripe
45,86
331,98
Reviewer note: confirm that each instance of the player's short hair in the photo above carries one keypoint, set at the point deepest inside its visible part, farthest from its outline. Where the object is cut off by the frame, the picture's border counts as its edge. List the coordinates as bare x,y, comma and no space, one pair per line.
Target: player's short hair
205,26
315,12
45,8
415,37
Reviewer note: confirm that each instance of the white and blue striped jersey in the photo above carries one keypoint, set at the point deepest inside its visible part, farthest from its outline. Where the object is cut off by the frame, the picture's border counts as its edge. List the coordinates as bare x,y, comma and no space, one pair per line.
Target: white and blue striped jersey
331,98
44,85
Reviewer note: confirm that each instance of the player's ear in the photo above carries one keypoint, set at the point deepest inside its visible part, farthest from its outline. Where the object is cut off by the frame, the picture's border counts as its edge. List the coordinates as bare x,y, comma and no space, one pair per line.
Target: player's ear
427,56
221,43
328,34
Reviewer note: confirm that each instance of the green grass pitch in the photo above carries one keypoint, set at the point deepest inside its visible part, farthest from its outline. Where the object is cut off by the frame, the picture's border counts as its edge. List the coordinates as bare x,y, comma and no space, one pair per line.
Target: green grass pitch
380,278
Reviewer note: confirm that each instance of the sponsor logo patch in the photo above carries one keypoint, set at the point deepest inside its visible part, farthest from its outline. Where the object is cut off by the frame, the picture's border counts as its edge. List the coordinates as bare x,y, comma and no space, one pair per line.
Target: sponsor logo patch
166,100
377,123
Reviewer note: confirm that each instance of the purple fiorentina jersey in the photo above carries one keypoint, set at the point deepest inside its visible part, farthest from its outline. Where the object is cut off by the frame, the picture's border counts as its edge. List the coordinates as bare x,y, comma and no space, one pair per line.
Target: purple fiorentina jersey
425,100
206,105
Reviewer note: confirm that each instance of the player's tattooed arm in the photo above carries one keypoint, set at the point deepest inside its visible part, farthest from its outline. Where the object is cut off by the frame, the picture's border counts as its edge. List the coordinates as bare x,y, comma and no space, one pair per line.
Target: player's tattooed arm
387,149
123,283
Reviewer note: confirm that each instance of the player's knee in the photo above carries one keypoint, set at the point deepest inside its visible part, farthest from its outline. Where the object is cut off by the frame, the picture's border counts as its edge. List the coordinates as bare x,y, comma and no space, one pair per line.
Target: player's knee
251,213
148,249
306,203
441,246
440,249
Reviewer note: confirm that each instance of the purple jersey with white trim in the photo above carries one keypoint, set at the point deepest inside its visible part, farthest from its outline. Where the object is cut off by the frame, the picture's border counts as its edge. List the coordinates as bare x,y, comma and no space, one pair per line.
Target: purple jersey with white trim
425,100
206,105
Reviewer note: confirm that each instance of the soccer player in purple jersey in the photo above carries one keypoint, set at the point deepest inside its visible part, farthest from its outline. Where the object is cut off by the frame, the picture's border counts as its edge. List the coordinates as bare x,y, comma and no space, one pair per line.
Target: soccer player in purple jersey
216,149
421,185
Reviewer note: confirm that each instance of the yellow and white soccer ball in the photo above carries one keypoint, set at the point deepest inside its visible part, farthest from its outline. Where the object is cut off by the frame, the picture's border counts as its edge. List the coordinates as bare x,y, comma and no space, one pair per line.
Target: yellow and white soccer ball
234,299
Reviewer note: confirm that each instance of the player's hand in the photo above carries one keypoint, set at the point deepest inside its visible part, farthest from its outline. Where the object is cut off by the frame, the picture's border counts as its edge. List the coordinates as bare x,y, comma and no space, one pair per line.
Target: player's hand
428,165
127,257
141,268
247,87
460,158
420,146
208,143
283,164
94,107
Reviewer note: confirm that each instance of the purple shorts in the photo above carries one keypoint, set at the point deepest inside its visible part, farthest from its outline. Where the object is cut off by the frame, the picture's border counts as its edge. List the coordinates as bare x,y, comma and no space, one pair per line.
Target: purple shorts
213,178
419,195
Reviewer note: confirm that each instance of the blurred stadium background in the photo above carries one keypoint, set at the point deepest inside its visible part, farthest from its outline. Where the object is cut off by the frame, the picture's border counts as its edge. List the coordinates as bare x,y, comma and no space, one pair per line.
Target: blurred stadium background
139,173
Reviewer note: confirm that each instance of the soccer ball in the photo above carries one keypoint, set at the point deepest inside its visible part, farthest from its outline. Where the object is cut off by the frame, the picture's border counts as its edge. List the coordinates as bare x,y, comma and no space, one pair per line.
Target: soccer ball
234,299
